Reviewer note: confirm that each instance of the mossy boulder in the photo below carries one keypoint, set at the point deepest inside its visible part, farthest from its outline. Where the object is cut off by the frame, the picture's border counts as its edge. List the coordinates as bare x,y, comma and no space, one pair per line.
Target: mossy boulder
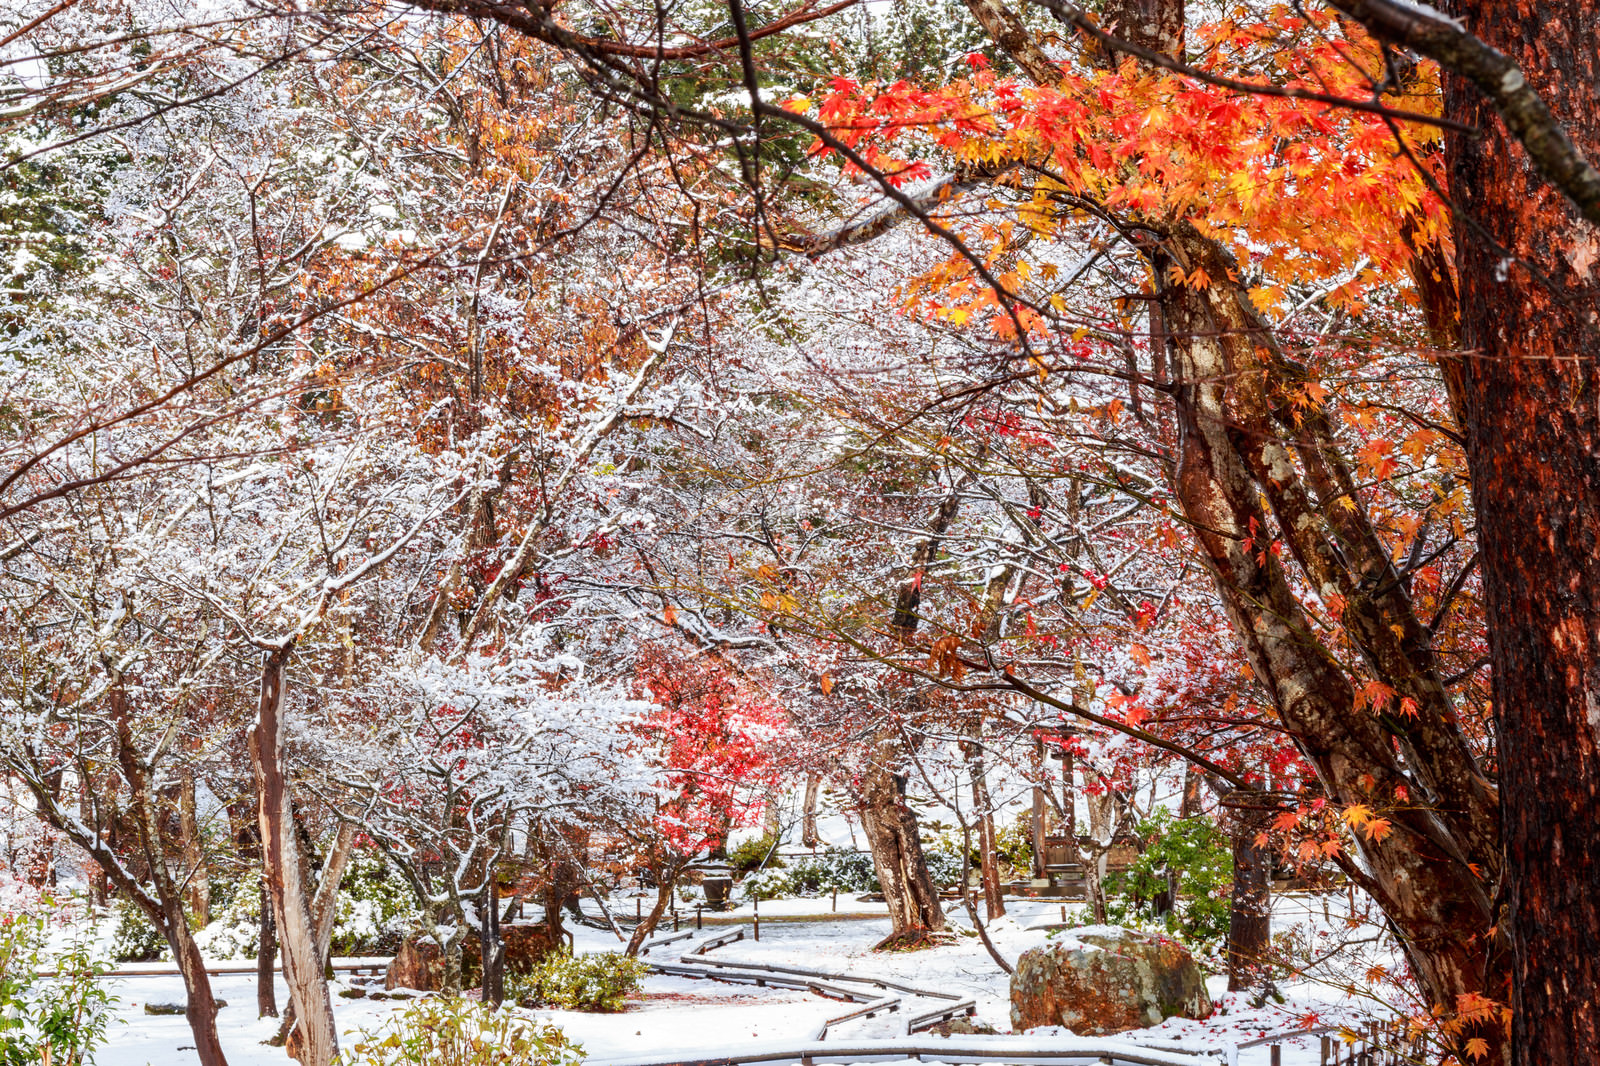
1106,979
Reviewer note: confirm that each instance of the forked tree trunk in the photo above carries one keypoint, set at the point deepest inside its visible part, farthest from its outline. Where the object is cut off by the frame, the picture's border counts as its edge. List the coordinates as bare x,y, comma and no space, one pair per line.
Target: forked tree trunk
314,1041
1531,419
166,909
324,912
1248,454
891,829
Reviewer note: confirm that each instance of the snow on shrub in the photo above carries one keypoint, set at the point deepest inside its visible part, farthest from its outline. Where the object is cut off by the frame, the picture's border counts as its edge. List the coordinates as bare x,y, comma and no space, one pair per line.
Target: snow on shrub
599,982
460,1032
844,869
766,884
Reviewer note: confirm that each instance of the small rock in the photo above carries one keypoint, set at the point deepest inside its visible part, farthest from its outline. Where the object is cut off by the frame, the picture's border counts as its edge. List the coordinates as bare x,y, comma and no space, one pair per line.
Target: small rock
964,1027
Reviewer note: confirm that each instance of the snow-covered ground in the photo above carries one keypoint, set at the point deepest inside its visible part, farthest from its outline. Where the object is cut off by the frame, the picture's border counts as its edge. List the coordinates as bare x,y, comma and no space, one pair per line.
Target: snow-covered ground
680,1015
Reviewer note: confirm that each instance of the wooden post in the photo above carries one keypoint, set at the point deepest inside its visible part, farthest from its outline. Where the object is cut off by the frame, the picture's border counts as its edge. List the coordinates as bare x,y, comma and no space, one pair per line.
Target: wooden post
1277,1055
835,897
1036,822
698,922
755,902
1323,1059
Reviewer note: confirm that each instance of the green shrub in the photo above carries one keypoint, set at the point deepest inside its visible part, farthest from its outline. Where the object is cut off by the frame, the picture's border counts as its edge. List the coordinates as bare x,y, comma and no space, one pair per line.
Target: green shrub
135,938
751,854
946,865
376,908
844,869
61,1020
234,932
1198,852
1013,844
599,982
766,884
459,1032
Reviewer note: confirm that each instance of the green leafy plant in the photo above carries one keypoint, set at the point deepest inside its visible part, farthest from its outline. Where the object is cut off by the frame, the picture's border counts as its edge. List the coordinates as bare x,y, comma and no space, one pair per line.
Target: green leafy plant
459,1032
598,982
836,868
376,908
1197,851
135,938
60,1019
235,928
947,866
1013,844
766,884
752,854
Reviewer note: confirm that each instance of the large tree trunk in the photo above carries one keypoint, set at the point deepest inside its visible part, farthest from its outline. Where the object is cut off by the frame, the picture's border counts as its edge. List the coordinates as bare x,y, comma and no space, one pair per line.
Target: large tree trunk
891,828
314,1041
324,912
1248,454
1432,875
1528,412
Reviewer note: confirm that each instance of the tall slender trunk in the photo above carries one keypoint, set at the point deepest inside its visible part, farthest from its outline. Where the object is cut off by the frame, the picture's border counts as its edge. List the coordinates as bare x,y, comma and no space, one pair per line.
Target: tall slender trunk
1529,415
267,959
665,880
194,859
1250,902
491,949
808,816
314,1040
200,1006
983,812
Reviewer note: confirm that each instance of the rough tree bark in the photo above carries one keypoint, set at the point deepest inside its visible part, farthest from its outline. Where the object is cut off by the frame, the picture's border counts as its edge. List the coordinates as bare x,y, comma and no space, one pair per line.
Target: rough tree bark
891,829
1250,904
194,858
324,911
983,810
808,816
314,1040
267,959
165,907
1246,462
1528,382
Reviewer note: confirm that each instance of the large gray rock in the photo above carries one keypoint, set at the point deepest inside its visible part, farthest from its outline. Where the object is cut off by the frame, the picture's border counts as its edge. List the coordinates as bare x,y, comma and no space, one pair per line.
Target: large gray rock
1106,979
